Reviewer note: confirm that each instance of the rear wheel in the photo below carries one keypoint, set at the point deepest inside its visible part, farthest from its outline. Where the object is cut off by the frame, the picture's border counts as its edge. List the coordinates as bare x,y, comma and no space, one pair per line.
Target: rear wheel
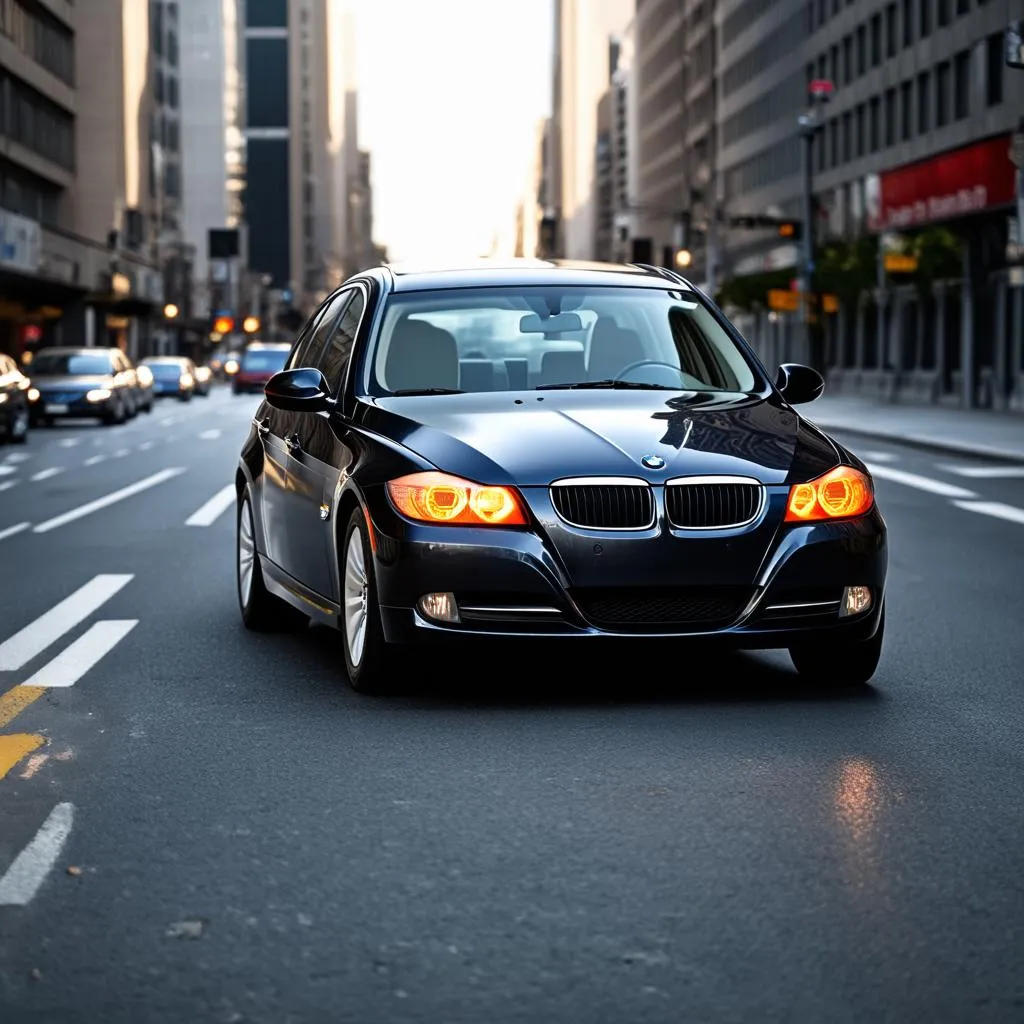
262,612
835,663
368,657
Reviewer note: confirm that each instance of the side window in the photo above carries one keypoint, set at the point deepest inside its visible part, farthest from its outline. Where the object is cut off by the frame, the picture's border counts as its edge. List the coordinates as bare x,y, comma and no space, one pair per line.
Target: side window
300,354
309,354
334,361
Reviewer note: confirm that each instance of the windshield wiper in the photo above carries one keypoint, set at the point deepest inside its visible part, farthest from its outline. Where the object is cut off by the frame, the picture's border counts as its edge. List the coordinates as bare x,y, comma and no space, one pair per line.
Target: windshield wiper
593,385
408,392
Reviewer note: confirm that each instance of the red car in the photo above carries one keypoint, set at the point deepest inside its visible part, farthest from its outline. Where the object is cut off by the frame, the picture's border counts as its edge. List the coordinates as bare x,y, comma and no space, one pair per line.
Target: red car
258,364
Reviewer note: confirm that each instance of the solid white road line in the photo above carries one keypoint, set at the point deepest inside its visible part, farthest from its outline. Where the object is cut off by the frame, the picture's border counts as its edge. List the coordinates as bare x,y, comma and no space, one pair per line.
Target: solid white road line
21,648
921,483
996,509
45,474
28,871
75,660
7,485
12,530
987,472
108,499
94,460
209,513
209,435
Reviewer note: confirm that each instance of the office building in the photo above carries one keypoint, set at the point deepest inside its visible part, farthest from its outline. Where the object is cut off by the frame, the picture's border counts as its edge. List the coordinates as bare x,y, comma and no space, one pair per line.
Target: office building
914,145
582,31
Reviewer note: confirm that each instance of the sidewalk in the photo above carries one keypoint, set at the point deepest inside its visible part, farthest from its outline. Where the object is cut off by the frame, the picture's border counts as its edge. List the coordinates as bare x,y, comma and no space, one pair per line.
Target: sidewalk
957,431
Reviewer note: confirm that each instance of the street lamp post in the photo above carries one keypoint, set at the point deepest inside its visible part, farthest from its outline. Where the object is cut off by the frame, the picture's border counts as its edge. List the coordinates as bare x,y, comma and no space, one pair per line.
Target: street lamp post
810,125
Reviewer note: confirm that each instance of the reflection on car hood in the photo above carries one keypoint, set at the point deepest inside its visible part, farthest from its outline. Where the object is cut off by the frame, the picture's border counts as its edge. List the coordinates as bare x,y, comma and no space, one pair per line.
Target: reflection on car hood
531,439
81,381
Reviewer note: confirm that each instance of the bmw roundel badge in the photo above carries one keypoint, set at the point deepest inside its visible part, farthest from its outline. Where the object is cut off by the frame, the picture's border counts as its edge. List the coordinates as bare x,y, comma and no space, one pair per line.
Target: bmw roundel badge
653,462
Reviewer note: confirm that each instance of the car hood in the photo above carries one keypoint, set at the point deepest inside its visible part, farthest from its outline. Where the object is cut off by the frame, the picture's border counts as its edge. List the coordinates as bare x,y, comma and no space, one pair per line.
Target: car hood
82,382
530,439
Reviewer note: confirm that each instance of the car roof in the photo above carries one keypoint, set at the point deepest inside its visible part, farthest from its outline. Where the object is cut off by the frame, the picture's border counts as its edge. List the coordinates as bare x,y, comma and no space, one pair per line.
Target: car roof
71,350
260,346
165,359
485,273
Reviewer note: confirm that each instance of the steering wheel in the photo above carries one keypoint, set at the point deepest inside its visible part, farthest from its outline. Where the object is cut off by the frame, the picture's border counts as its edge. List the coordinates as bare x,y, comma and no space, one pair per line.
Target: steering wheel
649,362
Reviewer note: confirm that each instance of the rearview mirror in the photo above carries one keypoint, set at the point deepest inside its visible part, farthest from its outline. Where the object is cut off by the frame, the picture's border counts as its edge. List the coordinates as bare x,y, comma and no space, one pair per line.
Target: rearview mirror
558,324
799,384
302,390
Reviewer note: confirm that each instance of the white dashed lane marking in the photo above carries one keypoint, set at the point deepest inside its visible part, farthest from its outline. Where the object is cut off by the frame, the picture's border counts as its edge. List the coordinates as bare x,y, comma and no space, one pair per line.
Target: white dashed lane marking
920,483
7,470
45,474
87,651
987,472
212,510
209,435
7,485
995,509
94,460
11,531
27,873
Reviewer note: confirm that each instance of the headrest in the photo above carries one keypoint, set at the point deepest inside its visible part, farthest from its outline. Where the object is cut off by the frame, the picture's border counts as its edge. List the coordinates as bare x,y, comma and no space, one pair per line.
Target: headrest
421,356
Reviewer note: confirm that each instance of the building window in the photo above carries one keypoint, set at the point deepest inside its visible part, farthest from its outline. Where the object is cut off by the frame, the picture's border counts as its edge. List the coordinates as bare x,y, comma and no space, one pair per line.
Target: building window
833,142
890,117
907,18
862,51
891,31
964,7
847,60
962,85
861,133
906,111
943,79
943,14
35,122
924,100
876,40
874,129
925,17
994,69
847,137
40,36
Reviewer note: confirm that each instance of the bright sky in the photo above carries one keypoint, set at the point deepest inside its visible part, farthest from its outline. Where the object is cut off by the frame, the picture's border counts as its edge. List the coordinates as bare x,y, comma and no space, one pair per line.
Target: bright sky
450,93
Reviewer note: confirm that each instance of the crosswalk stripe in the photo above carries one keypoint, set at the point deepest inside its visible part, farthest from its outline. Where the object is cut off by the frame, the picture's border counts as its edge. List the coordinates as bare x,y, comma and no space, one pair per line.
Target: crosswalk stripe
212,510
18,650
76,659
27,873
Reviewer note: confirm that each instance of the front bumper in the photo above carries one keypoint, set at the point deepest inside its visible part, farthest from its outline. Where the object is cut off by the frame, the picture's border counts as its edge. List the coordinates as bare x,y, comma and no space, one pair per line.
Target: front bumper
512,583
67,405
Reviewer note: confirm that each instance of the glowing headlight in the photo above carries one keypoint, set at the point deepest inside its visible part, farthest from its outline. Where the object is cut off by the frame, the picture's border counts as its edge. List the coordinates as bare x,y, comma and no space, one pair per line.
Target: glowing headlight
185,380
33,394
145,375
97,395
231,366
3,397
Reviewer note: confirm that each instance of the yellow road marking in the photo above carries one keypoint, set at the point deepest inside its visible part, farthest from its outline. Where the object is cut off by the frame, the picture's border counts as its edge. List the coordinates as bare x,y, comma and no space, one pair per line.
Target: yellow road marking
14,748
13,702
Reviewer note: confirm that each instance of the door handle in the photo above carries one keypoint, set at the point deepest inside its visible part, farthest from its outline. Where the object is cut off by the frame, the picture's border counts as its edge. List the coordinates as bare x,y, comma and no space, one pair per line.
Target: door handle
293,442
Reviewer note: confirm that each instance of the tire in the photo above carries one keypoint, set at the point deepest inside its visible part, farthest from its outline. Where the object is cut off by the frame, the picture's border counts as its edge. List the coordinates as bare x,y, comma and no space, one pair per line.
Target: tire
368,656
838,663
262,612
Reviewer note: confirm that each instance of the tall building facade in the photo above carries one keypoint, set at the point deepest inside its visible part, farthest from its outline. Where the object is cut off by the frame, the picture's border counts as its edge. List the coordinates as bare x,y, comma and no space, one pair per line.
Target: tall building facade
298,144
582,31
211,133
914,148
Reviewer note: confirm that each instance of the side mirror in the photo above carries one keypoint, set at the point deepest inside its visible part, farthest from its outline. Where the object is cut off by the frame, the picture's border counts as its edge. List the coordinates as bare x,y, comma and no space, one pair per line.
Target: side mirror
799,384
301,390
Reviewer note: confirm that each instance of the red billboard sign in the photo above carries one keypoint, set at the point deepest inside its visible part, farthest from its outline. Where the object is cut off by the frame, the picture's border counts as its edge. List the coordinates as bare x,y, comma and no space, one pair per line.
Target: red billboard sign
954,184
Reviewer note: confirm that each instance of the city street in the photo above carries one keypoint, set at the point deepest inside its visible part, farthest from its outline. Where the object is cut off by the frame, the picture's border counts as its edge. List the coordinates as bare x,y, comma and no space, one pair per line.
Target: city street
205,824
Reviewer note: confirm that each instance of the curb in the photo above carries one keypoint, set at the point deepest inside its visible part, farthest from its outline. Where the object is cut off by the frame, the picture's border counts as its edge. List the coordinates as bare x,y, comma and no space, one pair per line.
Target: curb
978,451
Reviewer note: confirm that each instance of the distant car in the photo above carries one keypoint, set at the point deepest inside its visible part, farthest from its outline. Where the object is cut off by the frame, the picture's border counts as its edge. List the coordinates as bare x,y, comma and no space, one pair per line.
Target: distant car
172,376
97,383
553,450
259,362
15,389
204,379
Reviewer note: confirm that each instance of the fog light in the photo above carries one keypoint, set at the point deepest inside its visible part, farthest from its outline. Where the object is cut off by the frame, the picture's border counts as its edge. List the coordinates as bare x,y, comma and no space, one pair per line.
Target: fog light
439,607
856,600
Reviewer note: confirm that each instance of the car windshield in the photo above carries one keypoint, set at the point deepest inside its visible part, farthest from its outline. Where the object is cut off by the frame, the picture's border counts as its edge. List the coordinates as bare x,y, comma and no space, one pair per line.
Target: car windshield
520,338
166,370
265,359
61,364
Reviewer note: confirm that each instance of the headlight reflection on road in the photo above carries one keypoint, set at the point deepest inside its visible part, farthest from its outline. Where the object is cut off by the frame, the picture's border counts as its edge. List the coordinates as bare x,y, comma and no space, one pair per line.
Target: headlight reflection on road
861,796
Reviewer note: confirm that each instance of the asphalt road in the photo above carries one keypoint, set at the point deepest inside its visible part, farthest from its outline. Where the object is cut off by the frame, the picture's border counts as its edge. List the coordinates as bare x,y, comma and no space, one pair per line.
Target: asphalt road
200,824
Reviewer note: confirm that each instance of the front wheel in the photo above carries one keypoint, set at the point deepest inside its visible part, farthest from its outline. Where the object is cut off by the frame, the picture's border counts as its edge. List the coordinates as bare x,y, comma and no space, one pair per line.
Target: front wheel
367,655
19,427
838,663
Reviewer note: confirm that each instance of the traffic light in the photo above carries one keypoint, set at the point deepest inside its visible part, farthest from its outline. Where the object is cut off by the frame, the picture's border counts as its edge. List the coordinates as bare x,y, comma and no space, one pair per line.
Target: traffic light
789,229
223,325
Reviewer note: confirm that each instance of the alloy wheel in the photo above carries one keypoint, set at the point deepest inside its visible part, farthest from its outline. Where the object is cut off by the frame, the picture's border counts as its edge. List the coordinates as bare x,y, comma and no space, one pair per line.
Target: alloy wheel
356,596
